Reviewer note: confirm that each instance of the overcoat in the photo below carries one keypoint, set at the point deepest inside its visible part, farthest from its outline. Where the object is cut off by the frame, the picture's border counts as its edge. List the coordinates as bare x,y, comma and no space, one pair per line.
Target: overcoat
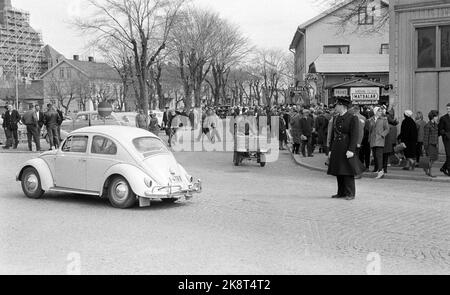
378,131
343,138
10,120
322,129
408,135
296,128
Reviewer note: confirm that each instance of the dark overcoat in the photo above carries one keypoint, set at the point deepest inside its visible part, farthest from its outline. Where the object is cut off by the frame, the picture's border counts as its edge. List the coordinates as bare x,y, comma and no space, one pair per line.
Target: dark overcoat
296,132
408,135
10,120
322,129
343,138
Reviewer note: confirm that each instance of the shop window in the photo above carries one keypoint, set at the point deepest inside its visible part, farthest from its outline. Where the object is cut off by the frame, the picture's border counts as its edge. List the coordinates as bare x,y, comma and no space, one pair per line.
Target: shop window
384,49
426,47
336,49
365,16
445,46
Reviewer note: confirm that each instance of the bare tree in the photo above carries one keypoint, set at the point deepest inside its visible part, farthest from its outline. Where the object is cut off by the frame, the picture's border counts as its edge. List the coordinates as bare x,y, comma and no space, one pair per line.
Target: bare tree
142,26
196,44
232,49
64,92
373,13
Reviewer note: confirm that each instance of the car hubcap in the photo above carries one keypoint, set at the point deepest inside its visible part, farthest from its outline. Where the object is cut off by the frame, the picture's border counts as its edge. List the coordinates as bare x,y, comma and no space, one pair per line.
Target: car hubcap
121,191
31,183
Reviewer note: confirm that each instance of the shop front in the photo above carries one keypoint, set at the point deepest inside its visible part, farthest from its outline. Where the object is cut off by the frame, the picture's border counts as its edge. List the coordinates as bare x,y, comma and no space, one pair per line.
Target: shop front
361,92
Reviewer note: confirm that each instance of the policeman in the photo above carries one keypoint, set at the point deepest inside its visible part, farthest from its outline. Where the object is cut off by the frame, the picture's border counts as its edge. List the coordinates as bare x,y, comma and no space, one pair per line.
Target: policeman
343,143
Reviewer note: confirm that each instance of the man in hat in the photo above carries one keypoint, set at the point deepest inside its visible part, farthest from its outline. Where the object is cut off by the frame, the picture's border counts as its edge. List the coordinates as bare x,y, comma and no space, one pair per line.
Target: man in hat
344,139
444,131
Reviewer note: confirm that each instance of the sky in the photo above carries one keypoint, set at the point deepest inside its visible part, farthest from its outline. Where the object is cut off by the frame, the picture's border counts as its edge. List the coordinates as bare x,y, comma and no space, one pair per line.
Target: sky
267,23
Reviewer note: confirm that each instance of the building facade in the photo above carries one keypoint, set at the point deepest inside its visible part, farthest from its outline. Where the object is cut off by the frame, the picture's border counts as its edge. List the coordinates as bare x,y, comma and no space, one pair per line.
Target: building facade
420,59
75,85
323,40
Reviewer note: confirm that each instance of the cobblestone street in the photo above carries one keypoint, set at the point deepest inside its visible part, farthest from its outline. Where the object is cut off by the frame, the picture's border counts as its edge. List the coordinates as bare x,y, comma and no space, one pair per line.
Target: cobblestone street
249,220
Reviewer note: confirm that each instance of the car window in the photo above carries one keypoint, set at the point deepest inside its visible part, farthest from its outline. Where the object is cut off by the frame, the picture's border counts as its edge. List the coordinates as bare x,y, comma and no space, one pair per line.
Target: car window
82,118
103,146
149,146
75,144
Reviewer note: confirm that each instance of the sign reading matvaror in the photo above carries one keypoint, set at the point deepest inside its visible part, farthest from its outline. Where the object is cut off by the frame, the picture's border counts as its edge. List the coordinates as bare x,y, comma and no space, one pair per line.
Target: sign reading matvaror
365,94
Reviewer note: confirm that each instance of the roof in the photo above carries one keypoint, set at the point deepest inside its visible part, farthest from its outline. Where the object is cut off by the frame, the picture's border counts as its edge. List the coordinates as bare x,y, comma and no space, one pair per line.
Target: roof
93,70
120,133
324,14
351,63
358,83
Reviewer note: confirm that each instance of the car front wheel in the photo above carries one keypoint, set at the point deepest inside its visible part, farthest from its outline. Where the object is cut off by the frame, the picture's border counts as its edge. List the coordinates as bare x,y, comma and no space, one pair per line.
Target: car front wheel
31,184
120,194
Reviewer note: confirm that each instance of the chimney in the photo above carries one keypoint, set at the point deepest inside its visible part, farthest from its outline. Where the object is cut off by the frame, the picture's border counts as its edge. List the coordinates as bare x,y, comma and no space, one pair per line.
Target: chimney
76,57
91,59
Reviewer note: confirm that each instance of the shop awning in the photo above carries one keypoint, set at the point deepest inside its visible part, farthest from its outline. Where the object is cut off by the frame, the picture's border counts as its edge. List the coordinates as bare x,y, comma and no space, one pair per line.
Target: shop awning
350,63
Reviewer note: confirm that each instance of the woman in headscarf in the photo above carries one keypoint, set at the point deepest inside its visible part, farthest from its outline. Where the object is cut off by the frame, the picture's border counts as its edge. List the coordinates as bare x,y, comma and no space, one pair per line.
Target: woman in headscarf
408,136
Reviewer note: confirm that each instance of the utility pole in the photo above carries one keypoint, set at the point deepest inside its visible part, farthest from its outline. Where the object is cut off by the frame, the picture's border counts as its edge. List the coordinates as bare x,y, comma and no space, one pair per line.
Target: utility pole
17,84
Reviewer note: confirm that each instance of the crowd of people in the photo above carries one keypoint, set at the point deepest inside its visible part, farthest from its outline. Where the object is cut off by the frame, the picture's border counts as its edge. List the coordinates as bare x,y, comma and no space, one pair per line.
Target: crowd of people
34,120
384,139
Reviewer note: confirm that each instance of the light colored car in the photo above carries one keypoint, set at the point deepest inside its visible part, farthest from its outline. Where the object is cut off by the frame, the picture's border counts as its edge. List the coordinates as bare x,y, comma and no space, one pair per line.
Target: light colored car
123,164
92,118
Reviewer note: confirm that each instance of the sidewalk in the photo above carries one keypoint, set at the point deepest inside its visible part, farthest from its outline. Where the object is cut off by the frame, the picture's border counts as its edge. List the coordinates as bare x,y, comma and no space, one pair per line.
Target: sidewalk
23,148
317,163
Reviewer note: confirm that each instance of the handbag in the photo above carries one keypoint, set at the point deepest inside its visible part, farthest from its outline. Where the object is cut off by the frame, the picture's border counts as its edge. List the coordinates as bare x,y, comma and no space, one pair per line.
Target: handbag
400,147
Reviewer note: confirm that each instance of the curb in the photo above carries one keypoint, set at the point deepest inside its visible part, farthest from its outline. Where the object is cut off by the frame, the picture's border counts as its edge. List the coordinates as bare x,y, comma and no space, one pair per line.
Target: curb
370,175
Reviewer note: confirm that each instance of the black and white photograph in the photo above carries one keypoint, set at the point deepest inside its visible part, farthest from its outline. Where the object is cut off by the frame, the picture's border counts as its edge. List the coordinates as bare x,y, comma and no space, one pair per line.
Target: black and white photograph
225,138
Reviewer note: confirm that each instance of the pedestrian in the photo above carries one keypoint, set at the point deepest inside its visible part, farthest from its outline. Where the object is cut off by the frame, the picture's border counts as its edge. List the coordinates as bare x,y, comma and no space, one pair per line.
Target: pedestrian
60,120
10,121
364,153
420,122
153,126
321,126
31,121
378,130
141,120
306,129
444,131
390,141
343,141
40,117
408,136
282,135
296,132
356,110
51,118
431,141
166,117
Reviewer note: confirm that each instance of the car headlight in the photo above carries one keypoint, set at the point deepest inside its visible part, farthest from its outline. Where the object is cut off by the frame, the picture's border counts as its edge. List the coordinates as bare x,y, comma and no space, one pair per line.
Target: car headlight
148,182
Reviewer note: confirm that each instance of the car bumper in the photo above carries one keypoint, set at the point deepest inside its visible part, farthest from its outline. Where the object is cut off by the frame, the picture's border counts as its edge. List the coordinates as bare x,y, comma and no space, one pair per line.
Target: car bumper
174,191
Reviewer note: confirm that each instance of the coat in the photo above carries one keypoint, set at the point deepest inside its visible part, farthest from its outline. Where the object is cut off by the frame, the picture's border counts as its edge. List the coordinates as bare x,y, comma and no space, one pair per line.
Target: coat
51,118
40,119
431,140
444,128
408,135
282,130
420,125
11,119
296,128
378,130
322,129
306,126
343,138
391,139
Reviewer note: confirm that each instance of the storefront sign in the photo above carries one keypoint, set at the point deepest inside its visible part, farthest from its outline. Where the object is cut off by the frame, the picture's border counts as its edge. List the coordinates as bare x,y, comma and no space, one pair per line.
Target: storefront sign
340,92
365,95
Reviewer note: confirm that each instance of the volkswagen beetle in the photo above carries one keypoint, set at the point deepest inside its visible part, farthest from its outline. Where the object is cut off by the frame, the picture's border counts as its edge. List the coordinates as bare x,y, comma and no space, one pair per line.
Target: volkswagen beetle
123,164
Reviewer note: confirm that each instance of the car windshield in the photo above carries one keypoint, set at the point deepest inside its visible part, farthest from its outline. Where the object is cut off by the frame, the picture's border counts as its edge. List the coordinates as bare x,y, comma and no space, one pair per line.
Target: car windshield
149,146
